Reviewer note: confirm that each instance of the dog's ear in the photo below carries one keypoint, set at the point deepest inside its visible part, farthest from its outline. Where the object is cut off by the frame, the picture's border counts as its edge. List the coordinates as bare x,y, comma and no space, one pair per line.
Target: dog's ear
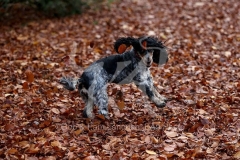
160,56
122,44
144,44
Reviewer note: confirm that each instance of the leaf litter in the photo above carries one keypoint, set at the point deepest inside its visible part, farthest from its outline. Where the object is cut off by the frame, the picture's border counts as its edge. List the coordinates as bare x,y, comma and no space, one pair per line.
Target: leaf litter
41,120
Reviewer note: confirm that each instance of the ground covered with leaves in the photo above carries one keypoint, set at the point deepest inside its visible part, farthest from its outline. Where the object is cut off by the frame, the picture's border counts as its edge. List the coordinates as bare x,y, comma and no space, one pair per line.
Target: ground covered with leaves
41,120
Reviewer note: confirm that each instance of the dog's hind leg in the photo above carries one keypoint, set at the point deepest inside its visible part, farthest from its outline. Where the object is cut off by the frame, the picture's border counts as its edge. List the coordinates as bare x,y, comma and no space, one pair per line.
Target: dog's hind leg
101,100
88,109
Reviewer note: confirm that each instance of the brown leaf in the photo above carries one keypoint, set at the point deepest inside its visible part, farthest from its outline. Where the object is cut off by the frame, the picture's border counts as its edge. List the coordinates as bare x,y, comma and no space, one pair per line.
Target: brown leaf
55,110
78,60
12,151
33,149
135,156
90,158
64,129
154,140
237,155
56,144
25,85
106,147
169,148
31,158
215,144
171,134
77,132
190,135
209,132
9,127
22,38
121,105
140,121
36,100
29,75
147,139
101,116
24,144
151,152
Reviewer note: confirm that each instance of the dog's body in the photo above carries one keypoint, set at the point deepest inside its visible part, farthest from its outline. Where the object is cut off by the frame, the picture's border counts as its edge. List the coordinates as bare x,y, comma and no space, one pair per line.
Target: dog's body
131,66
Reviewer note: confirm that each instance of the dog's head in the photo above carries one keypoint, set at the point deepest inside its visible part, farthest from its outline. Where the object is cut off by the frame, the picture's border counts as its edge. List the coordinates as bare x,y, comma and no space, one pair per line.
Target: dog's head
149,49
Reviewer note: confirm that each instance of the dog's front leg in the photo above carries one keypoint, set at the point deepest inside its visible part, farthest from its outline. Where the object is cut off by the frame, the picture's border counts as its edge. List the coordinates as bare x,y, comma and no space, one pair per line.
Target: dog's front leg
152,93
159,95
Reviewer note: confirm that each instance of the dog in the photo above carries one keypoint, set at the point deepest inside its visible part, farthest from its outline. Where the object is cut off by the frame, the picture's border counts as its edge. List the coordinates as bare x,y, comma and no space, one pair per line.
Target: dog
127,66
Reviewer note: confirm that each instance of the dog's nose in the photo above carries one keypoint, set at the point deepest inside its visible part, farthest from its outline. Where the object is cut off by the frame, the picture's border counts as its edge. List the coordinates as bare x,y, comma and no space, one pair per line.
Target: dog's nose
149,61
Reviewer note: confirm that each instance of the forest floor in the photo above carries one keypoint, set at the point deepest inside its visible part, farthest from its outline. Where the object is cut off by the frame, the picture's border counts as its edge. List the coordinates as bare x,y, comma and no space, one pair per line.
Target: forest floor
41,120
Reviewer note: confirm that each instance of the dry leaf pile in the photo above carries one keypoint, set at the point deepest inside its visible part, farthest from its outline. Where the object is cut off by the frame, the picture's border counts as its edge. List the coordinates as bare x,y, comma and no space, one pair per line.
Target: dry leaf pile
41,120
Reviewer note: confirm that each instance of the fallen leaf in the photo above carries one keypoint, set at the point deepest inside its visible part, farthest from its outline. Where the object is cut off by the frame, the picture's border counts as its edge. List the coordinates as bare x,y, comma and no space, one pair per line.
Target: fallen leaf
190,135
91,158
106,147
169,148
25,85
77,132
33,149
120,104
202,112
12,151
237,155
209,132
151,152
55,110
215,144
30,76
22,38
209,150
100,116
171,134
24,144
227,53
154,140
9,127
56,144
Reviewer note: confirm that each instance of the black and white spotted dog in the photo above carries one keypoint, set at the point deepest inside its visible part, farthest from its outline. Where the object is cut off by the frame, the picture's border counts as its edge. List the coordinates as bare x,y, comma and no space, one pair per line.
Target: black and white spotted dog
131,66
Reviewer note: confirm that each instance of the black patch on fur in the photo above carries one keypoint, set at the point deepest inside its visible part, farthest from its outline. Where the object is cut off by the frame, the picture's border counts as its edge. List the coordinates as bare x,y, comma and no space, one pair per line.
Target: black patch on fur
110,63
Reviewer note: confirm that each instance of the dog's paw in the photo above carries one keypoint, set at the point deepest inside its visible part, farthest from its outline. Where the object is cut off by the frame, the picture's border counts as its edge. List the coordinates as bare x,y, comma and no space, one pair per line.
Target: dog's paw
160,103
88,114
162,98
165,99
104,113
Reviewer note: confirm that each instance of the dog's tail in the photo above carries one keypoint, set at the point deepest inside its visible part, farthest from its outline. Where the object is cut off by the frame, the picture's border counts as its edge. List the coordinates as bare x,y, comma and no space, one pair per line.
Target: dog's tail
68,83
